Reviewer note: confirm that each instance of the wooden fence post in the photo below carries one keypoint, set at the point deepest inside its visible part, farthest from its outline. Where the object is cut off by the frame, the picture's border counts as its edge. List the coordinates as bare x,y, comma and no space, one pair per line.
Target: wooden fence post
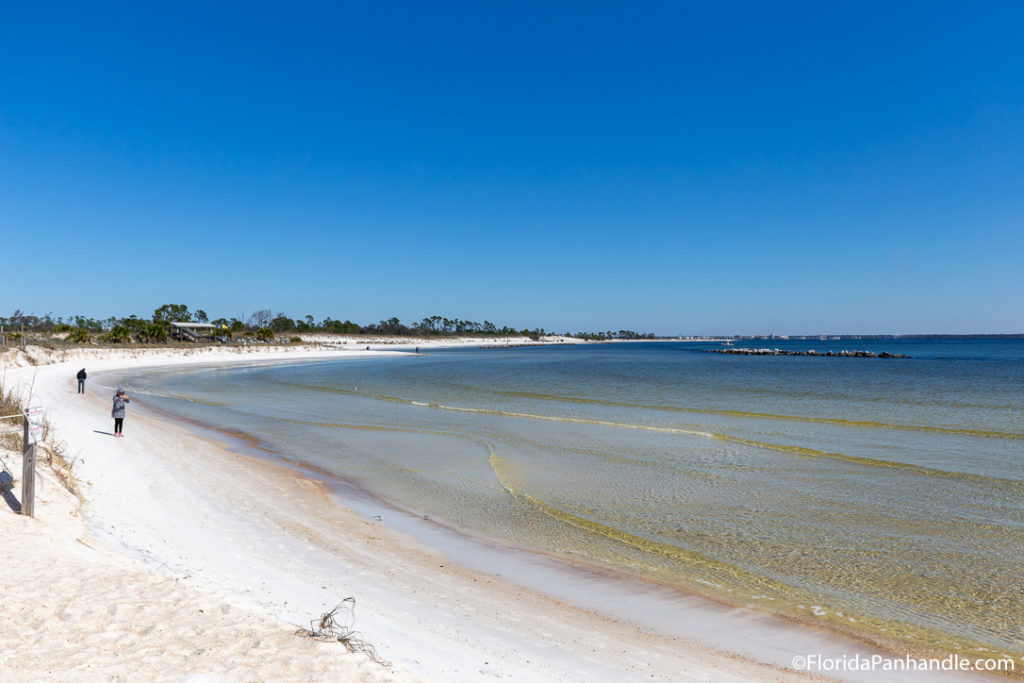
32,432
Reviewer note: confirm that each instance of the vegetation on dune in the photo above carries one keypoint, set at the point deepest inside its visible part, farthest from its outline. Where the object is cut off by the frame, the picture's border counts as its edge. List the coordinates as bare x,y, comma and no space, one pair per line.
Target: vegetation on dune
78,335
263,326
10,433
50,452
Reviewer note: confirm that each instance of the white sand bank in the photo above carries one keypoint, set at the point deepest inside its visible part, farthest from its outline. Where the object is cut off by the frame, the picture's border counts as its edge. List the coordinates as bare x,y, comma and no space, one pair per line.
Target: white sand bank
197,560
72,610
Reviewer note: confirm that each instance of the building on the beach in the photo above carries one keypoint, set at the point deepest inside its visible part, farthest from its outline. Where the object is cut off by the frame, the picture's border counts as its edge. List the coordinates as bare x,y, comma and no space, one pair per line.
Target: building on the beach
194,332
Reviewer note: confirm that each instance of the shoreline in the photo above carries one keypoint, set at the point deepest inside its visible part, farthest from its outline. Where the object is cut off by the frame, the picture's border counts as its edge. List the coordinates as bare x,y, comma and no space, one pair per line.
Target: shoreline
390,568
622,597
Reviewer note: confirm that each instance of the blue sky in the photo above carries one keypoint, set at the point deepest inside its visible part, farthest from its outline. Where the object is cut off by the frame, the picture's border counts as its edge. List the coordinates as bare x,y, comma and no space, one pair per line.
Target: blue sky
693,168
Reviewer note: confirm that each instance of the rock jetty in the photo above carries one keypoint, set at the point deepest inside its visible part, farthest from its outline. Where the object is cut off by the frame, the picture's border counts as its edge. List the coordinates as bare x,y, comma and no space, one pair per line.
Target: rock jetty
827,354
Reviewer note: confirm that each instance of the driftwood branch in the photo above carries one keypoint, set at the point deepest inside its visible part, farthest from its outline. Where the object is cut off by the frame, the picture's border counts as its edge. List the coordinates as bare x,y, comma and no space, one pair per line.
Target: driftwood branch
336,625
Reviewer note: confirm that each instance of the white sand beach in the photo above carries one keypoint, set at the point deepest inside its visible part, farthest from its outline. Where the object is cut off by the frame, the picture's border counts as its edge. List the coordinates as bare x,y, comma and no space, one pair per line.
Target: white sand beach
189,561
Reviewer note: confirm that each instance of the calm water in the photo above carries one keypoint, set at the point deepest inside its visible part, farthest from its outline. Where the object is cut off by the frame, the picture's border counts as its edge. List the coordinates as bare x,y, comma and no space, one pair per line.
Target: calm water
879,497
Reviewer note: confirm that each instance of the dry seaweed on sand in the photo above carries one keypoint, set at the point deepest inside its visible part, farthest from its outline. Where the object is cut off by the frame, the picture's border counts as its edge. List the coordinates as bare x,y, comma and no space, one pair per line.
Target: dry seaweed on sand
336,625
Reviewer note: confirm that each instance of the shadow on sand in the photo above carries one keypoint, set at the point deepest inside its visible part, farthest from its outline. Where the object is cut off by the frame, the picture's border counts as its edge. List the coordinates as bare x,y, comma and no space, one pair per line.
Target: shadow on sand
6,486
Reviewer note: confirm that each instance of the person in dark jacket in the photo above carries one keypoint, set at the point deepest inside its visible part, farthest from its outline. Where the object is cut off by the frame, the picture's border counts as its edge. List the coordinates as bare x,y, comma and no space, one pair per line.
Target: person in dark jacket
81,381
120,399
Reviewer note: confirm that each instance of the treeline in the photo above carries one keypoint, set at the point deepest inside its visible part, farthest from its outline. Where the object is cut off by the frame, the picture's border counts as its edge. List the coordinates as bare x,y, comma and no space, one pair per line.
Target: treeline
265,325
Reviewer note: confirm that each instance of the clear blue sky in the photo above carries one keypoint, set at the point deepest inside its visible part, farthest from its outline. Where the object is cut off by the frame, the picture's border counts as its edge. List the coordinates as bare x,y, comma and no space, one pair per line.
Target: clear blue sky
675,167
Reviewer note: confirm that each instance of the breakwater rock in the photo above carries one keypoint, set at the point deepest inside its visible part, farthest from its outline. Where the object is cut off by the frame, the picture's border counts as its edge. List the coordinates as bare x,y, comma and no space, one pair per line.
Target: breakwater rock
811,352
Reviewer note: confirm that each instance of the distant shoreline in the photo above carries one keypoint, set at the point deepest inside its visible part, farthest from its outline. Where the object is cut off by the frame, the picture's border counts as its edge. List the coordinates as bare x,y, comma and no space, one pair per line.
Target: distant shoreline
837,337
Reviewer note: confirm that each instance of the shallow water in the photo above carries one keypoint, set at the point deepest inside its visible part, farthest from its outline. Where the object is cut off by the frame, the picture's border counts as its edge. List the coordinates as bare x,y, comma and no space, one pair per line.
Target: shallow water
881,497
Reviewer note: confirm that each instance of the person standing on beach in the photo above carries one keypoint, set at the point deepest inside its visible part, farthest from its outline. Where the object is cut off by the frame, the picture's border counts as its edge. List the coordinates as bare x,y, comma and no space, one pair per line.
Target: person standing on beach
120,399
81,381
